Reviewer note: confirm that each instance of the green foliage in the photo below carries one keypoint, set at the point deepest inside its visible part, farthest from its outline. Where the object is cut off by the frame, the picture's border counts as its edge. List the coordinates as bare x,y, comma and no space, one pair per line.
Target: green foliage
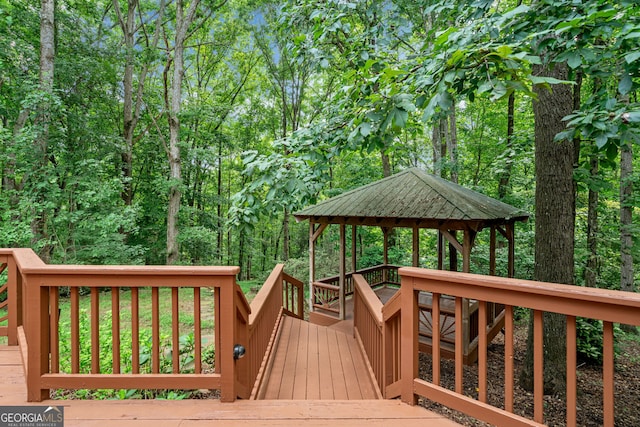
288,103
590,340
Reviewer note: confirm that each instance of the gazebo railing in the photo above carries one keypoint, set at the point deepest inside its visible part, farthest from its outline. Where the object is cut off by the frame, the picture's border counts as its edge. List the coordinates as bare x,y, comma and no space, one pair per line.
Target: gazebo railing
326,292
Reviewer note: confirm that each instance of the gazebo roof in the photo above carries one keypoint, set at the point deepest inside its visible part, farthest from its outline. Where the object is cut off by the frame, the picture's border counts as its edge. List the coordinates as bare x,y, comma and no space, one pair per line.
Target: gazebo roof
413,198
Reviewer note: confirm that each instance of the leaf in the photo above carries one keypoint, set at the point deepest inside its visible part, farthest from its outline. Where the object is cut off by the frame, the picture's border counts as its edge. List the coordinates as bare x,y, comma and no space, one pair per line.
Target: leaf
625,84
499,91
455,57
632,117
365,129
445,101
631,57
601,140
442,38
504,51
574,60
537,80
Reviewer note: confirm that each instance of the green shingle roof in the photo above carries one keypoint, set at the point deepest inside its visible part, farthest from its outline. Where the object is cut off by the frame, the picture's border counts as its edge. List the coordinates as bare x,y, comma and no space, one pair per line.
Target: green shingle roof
413,197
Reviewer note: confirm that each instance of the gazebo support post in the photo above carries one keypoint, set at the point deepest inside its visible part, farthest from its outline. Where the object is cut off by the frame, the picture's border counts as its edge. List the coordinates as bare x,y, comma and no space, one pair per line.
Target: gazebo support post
453,253
467,245
492,251
343,268
385,251
354,260
416,246
314,233
440,251
312,263
512,254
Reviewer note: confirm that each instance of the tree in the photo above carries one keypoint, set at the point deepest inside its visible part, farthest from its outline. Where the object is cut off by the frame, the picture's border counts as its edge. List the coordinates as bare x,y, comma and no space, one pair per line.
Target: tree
555,216
43,119
173,103
132,99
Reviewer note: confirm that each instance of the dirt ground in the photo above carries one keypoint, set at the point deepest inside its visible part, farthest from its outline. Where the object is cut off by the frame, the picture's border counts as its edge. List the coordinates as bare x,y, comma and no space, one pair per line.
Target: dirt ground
589,411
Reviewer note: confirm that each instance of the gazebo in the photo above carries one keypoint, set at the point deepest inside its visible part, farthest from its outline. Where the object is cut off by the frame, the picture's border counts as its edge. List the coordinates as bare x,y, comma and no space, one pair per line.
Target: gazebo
409,199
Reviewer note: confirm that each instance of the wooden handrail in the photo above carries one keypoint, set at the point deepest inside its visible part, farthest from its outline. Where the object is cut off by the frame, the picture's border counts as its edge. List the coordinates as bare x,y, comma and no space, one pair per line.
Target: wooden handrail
322,285
368,328
391,307
369,298
607,306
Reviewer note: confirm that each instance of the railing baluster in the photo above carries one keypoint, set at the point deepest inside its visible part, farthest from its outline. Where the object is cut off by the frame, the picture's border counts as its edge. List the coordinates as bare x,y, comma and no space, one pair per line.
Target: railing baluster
508,358
115,329
571,372
135,331
435,337
75,330
538,364
459,350
218,328
55,328
155,330
175,330
482,351
607,374
197,331
95,330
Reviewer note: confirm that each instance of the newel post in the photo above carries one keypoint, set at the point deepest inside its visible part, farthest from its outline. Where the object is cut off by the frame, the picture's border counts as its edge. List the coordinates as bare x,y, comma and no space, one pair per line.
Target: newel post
14,303
226,330
37,337
408,338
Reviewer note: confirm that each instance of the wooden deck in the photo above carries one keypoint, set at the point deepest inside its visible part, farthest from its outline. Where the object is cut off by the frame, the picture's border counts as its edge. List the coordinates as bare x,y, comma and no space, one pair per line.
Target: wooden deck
189,413
318,362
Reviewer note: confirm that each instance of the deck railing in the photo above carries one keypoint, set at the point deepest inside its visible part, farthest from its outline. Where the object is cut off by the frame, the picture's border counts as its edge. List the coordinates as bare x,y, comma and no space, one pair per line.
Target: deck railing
377,329
158,359
607,306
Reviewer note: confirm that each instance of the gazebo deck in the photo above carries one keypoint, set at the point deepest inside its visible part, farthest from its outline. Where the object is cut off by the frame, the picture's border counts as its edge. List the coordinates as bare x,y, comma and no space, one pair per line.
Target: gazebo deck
186,413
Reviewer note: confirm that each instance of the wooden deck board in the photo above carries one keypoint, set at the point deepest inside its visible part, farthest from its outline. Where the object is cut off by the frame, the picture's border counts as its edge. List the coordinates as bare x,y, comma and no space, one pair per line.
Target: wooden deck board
200,413
313,368
324,367
302,363
337,370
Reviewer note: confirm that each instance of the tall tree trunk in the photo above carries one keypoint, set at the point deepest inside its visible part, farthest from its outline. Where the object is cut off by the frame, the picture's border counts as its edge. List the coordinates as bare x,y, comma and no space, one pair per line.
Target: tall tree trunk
128,31
505,176
386,163
591,271
183,23
555,218
43,119
131,107
435,144
452,145
219,205
626,225
285,236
